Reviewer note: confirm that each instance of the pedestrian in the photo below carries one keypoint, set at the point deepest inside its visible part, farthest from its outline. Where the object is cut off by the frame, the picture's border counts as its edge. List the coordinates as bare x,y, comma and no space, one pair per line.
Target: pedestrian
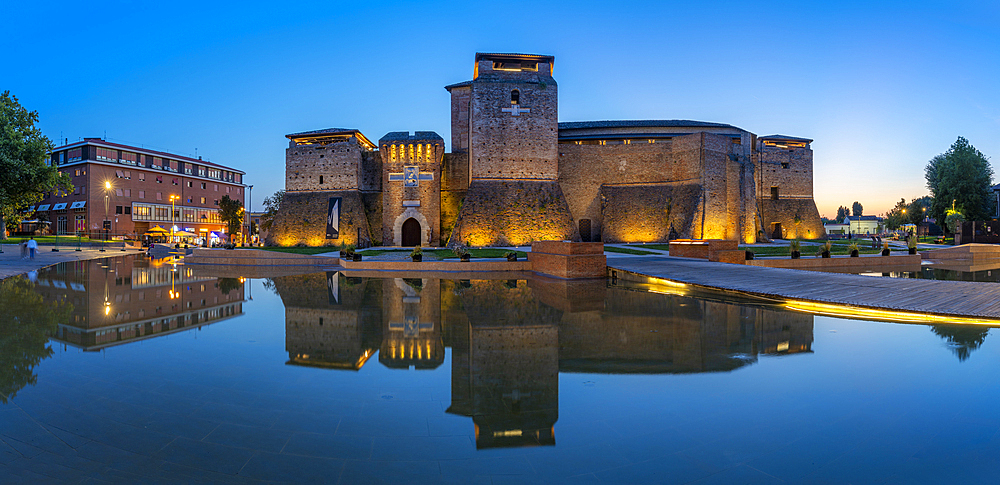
24,249
32,246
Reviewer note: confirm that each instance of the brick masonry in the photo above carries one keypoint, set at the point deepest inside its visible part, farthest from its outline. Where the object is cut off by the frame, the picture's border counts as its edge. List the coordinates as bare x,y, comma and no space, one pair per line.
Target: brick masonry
512,213
302,220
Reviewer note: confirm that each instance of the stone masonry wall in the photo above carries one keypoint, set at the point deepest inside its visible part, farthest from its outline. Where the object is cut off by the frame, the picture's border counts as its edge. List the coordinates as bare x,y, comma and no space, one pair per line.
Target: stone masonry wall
784,211
789,169
454,185
647,212
302,220
506,213
426,155
460,97
339,165
504,146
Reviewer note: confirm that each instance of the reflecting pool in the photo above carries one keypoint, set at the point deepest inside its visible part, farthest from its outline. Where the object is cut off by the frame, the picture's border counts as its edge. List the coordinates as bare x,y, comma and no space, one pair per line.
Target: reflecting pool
130,370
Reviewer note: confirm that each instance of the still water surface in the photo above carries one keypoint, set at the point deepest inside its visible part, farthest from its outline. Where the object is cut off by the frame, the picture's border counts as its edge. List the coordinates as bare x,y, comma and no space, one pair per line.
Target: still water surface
126,370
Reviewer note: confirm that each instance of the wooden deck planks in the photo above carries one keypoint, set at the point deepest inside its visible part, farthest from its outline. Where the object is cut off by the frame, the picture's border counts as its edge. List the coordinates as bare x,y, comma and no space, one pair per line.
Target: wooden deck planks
959,298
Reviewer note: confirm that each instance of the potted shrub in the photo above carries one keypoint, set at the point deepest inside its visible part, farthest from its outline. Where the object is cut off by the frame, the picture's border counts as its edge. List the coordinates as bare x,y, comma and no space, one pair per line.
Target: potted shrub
417,255
794,247
356,256
853,247
511,256
827,246
348,253
748,255
343,250
462,253
885,249
911,244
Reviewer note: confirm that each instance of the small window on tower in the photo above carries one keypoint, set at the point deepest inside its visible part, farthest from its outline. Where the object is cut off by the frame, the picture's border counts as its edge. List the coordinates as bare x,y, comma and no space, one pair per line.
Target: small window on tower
515,97
320,179
774,193
784,164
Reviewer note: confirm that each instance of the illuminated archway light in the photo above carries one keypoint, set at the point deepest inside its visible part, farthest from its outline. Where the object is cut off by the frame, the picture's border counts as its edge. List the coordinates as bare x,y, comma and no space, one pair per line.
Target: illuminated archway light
885,315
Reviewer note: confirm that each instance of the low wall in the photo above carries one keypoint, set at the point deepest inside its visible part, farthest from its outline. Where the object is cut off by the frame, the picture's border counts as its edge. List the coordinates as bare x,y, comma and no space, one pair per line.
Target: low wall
437,266
255,257
965,251
840,263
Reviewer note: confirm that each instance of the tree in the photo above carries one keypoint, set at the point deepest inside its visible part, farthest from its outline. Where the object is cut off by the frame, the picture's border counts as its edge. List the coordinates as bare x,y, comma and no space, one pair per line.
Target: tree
272,205
897,216
953,220
857,209
25,176
960,178
25,328
842,212
918,208
231,213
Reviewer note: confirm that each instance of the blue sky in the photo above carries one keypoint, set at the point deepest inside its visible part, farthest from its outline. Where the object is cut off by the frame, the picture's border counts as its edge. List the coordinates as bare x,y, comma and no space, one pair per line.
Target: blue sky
881,87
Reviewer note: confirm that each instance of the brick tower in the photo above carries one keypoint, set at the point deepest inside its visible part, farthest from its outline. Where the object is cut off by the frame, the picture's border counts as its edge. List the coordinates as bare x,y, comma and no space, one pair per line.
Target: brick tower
506,120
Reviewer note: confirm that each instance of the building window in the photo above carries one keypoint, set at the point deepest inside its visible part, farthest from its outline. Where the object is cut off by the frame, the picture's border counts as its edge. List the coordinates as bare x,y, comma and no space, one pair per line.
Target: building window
142,194
190,200
216,201
75,172
203,185
128,210
515,97
76,154
190,184
202,200
159,196
118,192
774,193
62,157
118,209
142,176
216,187
784,164
107,155
320,179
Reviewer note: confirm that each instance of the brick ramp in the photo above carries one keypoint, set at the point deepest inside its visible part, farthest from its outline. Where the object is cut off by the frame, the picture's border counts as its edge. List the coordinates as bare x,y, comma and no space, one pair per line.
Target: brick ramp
949,298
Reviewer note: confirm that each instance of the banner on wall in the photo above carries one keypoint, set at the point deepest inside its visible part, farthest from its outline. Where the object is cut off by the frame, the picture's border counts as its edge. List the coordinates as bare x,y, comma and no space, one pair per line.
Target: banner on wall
333,218
333,287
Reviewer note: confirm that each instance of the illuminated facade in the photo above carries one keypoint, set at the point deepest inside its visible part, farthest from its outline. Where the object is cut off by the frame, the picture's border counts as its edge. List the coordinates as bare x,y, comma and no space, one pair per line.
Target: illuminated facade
515,174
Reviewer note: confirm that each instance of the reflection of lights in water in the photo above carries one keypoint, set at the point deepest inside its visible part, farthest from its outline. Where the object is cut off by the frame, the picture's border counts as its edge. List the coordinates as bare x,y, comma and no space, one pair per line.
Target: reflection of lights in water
876,314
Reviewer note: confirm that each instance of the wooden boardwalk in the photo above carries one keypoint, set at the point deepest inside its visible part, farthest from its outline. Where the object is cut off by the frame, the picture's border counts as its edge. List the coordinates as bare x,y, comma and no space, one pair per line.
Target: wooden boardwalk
945,298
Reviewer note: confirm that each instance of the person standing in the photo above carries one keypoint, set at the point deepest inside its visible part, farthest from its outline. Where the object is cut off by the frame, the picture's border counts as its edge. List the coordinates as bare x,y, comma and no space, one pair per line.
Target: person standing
32,246
24,249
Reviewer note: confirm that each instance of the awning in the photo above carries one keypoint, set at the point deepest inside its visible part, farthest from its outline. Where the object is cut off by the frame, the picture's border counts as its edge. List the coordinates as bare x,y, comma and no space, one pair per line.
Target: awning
78,204
60,206
158,229
43,207
216,234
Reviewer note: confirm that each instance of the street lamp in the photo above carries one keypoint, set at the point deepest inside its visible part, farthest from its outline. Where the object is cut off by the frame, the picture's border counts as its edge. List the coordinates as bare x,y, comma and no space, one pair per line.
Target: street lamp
172,199
107,194
249,218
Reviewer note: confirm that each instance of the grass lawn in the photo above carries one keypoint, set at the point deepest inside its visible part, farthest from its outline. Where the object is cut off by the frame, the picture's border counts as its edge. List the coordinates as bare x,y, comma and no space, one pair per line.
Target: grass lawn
476,253
661,247
612,249
50,240
837,249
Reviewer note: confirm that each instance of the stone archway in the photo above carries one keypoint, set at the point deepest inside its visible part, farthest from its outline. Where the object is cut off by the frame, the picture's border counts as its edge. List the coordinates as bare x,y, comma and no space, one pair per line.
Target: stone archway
424,232
410,233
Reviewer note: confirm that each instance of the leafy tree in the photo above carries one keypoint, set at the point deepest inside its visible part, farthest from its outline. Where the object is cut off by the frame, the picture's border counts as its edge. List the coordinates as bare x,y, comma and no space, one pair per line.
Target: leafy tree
953,220
897,216
918,208
24,333
842,212
960,178
856,209
231,213
272,205
25,176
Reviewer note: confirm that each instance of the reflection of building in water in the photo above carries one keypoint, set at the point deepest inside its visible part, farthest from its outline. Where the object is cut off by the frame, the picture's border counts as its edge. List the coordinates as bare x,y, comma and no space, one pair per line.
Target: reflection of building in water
121,299
505,363
411,310
640,332
330,320
511,338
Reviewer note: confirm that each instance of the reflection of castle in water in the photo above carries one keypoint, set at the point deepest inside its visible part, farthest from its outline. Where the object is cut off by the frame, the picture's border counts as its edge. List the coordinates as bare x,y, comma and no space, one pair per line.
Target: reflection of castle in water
122,299
510,339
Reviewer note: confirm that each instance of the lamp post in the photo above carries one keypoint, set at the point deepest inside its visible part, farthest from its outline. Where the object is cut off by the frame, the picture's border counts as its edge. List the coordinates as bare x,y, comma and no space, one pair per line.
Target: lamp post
172,199
249,236
107,195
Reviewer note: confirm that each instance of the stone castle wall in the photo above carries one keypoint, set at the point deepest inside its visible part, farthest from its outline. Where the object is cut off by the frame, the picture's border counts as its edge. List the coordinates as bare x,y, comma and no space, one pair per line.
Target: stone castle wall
784,212
398,201
454,185
302,220
512,213
648,212
460,98
788,169
336,166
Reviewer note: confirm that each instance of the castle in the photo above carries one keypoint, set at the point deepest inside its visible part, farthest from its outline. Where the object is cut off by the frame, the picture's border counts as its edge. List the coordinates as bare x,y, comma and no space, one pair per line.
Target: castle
515,174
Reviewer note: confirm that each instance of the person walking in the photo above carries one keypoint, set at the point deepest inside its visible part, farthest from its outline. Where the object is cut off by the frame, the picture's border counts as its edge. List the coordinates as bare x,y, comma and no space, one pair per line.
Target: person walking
32,246
24,249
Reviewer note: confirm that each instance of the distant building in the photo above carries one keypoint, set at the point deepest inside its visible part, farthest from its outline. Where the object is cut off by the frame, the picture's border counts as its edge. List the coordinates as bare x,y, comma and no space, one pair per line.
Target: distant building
859,225
136,185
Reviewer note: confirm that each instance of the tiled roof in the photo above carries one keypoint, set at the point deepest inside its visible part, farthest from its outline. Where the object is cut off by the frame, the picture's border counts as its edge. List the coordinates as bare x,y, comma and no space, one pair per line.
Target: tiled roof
406,136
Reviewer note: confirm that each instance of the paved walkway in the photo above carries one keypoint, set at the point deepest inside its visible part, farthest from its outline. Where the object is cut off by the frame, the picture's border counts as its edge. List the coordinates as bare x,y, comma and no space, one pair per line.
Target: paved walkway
11,263
951,298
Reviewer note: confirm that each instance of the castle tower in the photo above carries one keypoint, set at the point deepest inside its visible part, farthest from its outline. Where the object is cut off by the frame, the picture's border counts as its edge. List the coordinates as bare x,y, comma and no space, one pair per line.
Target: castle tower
507,121
411,194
